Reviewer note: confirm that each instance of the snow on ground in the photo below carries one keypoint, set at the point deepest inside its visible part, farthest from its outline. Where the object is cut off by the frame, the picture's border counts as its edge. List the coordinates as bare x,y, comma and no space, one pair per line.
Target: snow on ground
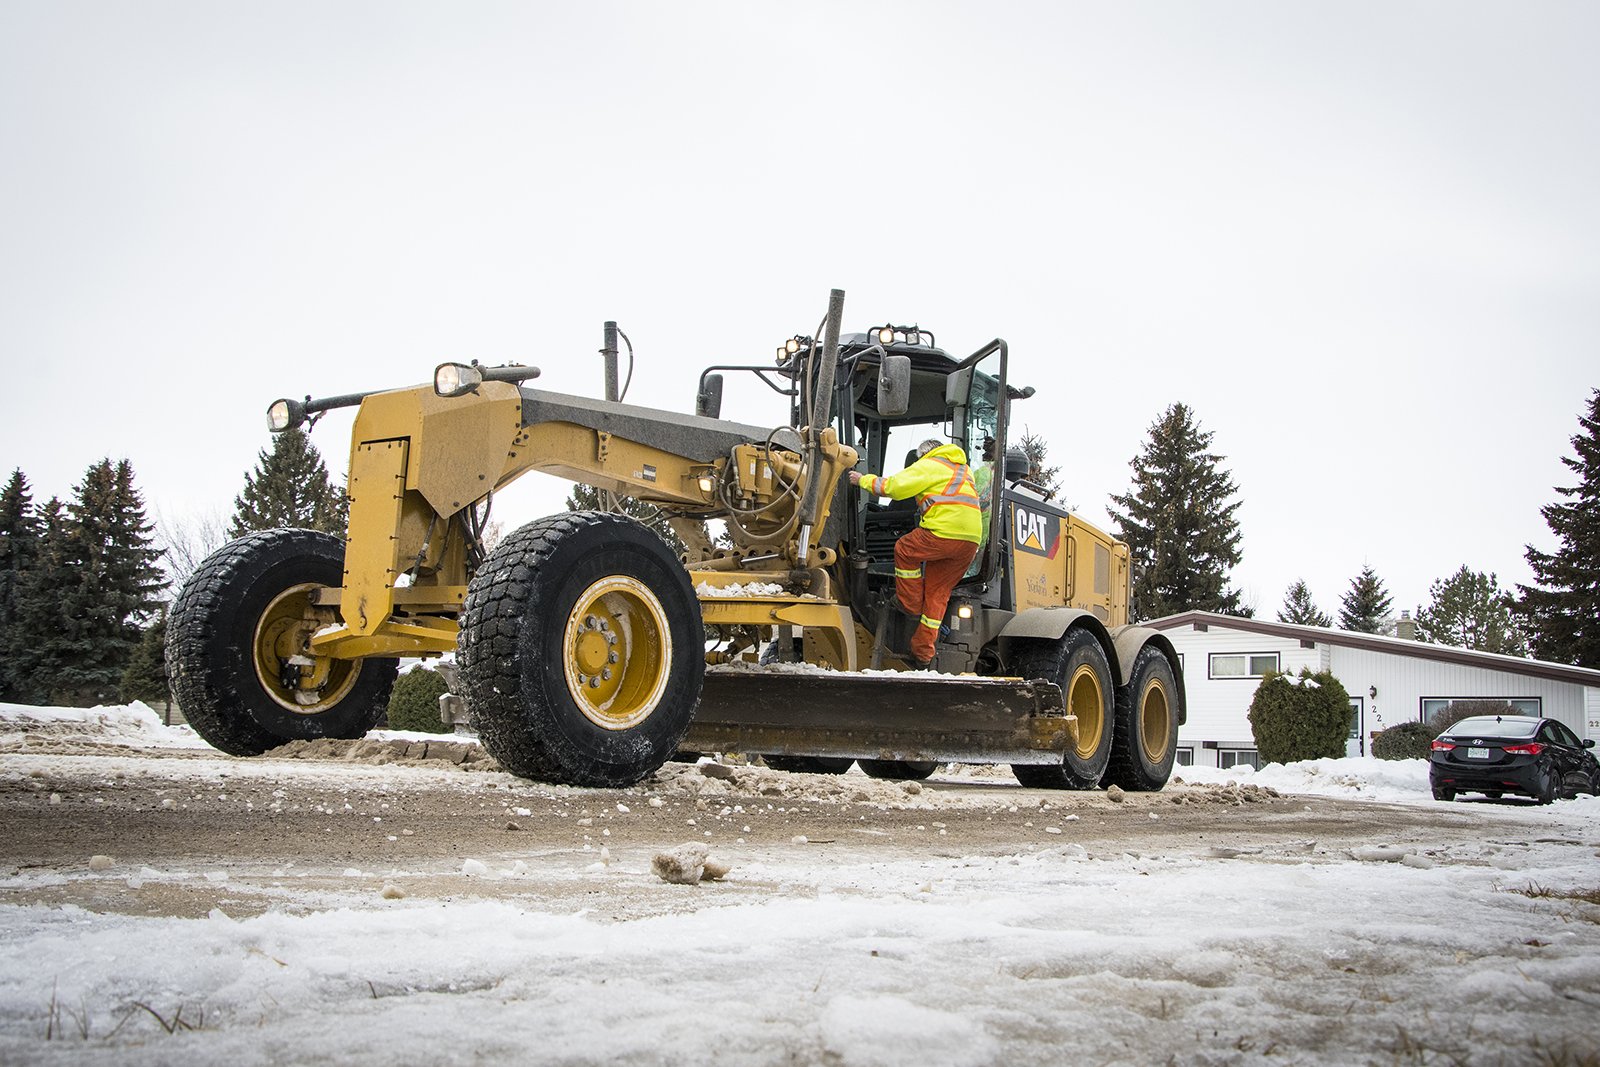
1210,955
126,724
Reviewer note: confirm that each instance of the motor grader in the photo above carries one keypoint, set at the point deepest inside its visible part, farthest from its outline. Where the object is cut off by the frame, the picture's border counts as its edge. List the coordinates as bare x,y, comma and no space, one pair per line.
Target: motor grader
590,652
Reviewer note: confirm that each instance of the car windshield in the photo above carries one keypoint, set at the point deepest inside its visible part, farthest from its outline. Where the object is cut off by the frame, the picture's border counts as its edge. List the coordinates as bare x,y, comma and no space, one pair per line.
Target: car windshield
1495,726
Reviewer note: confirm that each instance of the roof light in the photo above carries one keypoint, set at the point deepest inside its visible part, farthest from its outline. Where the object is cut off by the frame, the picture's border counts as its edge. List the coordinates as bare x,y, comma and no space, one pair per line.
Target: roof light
456,379
285,414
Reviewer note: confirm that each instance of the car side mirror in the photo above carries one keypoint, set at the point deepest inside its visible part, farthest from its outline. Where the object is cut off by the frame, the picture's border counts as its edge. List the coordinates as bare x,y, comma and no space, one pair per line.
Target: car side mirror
708,402
1588,742
894,385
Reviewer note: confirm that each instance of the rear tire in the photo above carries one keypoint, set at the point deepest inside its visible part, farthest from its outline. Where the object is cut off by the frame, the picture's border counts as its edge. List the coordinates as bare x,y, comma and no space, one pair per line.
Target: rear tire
809,764
227,635
1146,740
1079,666
898,770
1545,792
581,652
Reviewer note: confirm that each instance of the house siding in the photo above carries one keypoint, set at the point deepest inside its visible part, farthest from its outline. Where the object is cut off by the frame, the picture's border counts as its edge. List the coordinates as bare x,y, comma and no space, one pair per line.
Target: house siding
1218,708
1403,683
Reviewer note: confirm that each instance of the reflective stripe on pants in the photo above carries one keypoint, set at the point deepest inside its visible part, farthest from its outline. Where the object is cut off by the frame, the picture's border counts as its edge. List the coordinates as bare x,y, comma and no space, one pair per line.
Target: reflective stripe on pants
926,570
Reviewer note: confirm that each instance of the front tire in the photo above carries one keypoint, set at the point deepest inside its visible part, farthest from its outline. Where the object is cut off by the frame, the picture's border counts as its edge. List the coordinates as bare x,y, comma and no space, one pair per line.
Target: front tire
236,660
581,651
1079,666
1146,740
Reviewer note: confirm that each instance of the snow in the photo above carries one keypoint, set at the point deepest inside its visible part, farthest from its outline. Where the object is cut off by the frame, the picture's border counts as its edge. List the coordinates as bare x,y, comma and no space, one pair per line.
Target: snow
739,589
1212,954
125,724
1365,778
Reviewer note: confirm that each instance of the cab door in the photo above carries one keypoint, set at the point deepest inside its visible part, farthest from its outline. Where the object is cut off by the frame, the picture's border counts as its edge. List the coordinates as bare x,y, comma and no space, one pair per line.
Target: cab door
979,409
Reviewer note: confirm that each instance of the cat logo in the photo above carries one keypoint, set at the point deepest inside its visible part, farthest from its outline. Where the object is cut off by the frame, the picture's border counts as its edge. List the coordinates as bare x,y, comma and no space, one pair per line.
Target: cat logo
1036,533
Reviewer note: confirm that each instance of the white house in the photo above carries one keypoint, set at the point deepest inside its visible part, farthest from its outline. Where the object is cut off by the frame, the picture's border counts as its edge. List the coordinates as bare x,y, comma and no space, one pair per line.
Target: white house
1391,680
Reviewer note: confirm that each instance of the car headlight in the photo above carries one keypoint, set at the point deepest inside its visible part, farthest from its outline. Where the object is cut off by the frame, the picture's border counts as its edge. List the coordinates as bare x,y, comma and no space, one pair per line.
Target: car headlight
455,379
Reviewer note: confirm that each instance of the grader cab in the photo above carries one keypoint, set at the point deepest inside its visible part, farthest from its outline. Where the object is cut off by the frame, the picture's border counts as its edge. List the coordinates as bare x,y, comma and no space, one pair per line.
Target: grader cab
589,652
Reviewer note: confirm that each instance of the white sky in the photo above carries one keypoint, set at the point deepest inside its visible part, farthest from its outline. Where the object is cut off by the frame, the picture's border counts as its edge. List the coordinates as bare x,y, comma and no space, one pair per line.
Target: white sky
1361,239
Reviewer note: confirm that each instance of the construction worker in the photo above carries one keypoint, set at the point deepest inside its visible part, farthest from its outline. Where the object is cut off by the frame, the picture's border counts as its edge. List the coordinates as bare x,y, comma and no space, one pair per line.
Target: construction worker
930,560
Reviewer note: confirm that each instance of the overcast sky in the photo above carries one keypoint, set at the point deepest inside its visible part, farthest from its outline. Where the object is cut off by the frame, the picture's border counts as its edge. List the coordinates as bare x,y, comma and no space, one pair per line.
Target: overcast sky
1361,240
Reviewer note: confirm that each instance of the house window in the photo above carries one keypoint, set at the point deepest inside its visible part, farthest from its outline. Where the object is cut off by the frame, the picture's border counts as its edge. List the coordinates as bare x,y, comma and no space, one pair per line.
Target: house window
1238,757
1242,664
1431,706
1186,757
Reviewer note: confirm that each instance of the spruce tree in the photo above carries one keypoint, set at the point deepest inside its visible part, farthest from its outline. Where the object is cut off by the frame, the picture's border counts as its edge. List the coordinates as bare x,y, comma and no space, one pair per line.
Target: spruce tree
1365,607
290,487
115,576
1561,612
588,498
145,676
1036,449
19,549
1470,610
1178,521
1300,609
42,592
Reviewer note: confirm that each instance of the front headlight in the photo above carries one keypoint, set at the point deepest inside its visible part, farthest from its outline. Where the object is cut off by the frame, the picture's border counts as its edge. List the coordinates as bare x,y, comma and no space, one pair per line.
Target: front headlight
455,379
285,414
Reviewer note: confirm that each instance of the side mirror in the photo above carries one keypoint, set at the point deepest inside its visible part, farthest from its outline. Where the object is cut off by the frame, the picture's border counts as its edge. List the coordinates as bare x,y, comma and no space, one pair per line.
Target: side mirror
1588,742
708,402
894,385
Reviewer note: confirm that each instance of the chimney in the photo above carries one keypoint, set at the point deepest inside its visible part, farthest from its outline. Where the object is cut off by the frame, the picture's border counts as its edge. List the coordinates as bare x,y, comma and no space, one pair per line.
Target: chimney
1406,629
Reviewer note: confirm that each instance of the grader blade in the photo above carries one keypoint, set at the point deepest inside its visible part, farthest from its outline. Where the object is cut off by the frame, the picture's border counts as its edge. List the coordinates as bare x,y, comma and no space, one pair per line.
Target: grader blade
881,716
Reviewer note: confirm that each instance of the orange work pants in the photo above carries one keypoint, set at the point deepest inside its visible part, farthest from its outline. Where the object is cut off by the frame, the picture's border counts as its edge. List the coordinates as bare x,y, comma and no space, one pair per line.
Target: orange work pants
926,570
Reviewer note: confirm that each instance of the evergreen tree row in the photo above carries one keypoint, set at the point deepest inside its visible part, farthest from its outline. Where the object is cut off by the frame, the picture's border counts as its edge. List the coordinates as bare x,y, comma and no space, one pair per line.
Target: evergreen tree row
77,583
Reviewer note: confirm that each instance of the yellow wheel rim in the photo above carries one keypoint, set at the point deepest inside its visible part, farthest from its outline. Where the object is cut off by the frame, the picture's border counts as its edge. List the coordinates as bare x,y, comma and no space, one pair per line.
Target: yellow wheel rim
616,651
297,680
1155,721
1086,701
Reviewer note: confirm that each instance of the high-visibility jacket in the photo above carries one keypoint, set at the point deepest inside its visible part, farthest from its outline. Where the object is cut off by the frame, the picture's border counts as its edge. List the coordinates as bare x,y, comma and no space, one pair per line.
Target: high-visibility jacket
947,496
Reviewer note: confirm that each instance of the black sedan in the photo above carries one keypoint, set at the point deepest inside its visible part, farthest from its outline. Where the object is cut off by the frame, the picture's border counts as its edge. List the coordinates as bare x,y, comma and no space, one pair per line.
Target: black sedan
1498,754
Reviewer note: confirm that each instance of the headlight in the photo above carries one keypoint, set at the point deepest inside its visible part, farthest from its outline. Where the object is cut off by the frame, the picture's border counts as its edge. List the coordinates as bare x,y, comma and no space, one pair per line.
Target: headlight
285,414
886,335
454,379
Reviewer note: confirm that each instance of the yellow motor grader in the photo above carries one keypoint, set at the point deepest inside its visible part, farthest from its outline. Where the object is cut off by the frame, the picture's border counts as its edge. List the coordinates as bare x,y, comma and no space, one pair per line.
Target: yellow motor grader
588,651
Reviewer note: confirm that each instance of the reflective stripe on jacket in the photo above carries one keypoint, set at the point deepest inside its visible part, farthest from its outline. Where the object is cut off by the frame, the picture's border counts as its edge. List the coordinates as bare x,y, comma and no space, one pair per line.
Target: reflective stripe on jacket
946,495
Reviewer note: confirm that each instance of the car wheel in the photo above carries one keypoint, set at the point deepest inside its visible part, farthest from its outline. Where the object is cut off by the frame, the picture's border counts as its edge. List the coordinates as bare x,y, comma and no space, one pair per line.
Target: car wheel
1546,789
1493,794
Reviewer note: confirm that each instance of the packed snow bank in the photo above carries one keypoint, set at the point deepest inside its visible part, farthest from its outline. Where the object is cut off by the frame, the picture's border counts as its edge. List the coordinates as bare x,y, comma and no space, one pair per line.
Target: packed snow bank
134,725
1357,777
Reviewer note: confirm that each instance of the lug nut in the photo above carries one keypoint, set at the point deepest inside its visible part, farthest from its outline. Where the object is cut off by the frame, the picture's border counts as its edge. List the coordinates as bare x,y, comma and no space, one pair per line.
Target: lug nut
606,674
594,683
611,658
